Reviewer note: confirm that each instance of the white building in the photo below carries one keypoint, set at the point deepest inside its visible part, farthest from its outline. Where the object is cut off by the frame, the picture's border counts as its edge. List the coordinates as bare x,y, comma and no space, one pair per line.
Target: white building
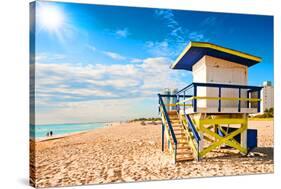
267,96
215,70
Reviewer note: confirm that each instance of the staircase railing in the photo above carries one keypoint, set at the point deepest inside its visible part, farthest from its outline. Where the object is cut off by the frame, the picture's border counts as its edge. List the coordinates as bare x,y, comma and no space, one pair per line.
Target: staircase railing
170,128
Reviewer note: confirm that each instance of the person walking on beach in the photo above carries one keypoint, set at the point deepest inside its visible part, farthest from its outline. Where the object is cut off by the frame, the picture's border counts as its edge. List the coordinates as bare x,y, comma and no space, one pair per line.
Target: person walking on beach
51,133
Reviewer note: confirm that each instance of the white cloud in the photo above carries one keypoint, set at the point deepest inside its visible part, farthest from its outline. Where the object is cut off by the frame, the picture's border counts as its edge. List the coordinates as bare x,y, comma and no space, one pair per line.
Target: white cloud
114,55
58,86
97,111
136,60
42,57
123,33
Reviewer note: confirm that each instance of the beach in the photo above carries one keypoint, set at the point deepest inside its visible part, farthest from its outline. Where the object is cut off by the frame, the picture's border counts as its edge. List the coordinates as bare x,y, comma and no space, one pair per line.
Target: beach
130,152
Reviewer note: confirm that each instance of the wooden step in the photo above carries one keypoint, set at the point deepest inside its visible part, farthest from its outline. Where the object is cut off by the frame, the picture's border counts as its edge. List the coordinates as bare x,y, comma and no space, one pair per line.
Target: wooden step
188,158
184,144
180,137
173,116
178,129
175,120
177,125
185,153
181,142
172,112
180,134
184,147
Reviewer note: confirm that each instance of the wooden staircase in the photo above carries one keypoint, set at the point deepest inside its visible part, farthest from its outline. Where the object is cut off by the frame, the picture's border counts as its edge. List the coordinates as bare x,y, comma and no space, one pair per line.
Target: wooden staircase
184,151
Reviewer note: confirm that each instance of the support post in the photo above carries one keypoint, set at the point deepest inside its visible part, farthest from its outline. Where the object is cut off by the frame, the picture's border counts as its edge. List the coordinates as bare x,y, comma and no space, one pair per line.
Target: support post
175,153
219,108
201,142
243,137
259,102
216,127
239,101
163,140
177,105
195,100
248,102
184,102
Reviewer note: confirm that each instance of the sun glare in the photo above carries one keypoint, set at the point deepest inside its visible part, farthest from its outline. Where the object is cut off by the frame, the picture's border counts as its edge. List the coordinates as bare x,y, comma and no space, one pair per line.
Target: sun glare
50,18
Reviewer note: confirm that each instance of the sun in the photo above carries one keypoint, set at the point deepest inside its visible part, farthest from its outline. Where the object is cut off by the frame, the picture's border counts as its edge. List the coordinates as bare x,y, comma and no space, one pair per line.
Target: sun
50,18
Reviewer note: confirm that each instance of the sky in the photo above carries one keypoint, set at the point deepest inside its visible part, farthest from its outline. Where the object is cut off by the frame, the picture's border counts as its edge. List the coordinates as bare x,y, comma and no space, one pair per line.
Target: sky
107,63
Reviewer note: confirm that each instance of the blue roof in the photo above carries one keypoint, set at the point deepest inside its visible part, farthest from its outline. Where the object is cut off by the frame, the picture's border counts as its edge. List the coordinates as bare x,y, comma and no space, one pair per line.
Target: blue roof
196,50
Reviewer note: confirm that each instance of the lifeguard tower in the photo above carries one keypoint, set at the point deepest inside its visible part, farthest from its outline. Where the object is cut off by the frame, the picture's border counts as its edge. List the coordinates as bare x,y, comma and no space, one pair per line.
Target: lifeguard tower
213,110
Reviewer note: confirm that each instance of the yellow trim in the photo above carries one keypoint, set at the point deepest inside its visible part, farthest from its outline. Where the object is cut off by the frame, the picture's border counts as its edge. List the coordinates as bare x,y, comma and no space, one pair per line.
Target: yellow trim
178,104
227,98
215,47
222,121
226,50
207,138
260,119
186,100
220,98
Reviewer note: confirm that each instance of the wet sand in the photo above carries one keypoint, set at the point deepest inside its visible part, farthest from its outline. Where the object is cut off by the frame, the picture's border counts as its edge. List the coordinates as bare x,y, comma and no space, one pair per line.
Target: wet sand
132,152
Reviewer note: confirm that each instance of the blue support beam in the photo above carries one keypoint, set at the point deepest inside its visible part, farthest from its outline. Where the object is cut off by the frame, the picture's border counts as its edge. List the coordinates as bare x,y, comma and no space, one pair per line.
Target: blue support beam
239,101
177,106
163,132
259,102
227,86
219,108
248,96
184,102
195,100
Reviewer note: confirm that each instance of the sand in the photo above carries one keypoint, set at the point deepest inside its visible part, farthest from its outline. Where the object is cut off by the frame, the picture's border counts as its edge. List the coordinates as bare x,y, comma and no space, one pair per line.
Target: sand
132,152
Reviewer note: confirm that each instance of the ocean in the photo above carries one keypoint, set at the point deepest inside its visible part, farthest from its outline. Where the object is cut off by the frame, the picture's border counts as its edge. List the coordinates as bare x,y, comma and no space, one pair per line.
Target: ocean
39,131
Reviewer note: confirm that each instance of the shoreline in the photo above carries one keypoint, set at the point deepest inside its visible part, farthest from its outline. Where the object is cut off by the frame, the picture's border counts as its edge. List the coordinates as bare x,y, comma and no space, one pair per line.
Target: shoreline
59,136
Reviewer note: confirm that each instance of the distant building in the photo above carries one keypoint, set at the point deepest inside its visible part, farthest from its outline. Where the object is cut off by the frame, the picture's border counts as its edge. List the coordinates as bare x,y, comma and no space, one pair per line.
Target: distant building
170,100
267,96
